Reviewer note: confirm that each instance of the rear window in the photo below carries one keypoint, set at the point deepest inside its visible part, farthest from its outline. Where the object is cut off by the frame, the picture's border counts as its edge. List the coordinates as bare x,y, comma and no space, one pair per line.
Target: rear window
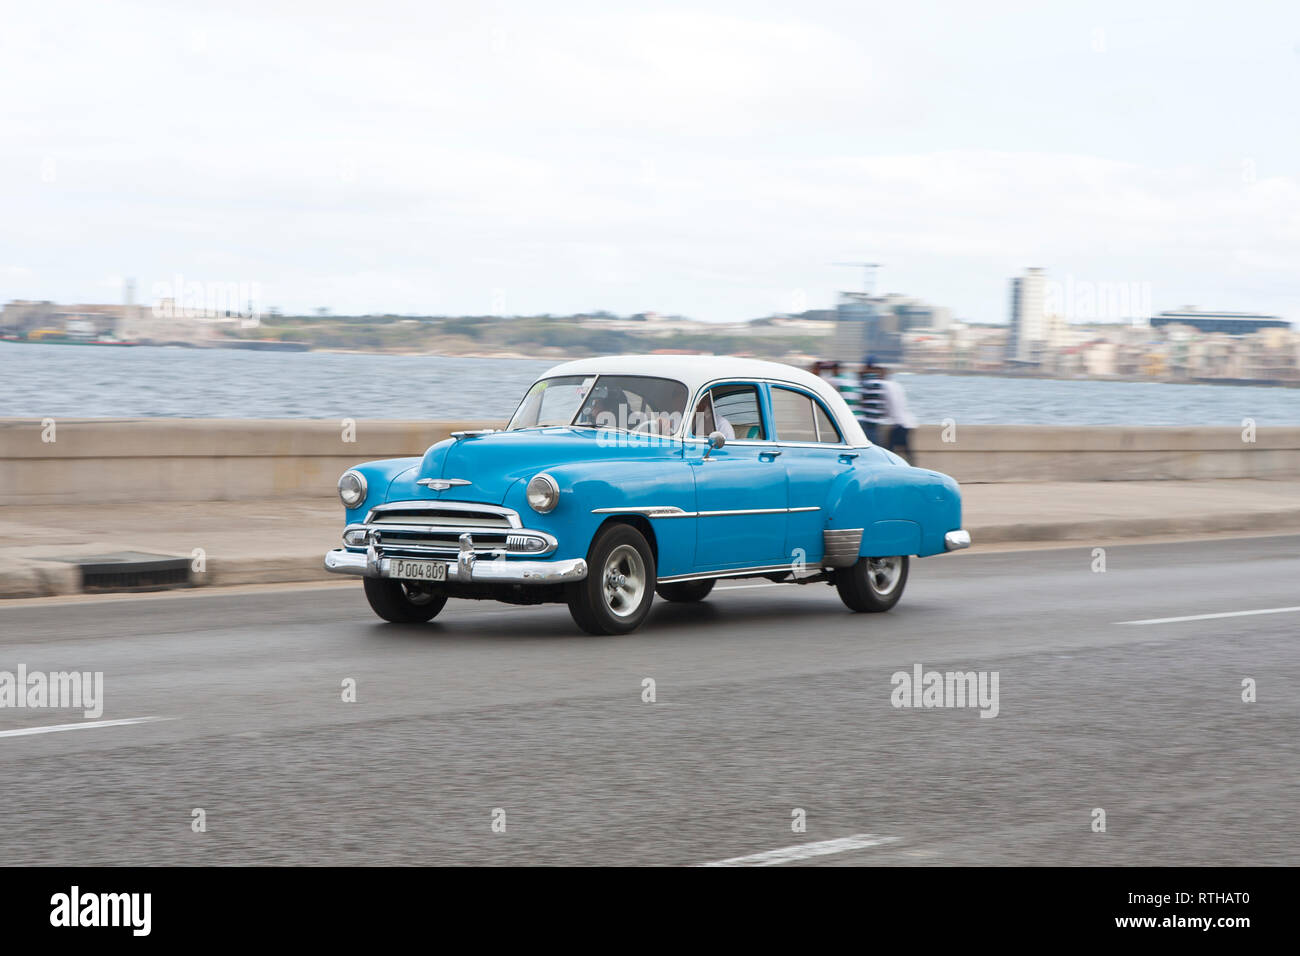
793,416
798,417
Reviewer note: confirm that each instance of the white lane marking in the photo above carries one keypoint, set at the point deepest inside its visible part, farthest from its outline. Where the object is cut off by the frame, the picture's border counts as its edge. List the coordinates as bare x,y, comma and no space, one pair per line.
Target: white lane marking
804,851
1210,617
86,725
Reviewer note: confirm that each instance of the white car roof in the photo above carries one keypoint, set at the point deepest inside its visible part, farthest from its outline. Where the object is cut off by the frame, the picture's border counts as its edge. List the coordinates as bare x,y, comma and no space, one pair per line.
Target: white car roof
695,371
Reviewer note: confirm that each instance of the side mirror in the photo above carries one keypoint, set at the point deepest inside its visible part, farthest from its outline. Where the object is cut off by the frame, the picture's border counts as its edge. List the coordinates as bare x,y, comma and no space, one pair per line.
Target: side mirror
716,440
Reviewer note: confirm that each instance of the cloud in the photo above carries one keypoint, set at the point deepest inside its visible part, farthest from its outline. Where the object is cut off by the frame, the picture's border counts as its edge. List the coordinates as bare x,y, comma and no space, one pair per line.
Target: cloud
708,159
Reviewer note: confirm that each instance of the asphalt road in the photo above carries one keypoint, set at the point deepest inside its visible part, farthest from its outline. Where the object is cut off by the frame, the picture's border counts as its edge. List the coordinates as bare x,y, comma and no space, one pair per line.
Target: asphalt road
769,698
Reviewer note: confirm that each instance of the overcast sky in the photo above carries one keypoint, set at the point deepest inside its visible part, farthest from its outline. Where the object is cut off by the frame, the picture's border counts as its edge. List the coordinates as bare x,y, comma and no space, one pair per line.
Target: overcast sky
709,159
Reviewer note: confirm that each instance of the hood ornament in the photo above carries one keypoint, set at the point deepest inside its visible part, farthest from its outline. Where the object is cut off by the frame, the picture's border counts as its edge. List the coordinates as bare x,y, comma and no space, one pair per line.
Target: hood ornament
441,484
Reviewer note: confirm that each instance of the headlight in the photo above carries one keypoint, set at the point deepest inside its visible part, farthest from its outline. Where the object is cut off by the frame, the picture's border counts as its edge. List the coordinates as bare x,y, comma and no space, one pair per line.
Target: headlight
352,488
543,493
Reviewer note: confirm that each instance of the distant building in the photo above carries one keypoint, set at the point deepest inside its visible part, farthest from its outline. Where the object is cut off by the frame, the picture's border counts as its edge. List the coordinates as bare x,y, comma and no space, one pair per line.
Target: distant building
165,323
858,329
878,324
1028,325
1232,323
24,316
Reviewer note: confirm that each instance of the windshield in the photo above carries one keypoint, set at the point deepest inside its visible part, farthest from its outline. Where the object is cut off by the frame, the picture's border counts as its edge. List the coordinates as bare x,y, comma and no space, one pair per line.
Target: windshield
638,403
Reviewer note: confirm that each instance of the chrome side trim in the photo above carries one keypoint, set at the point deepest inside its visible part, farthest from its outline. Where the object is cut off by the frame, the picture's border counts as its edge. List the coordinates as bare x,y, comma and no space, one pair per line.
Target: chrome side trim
841,546
828,445
956,540
672,511
743,442
734,573
340,561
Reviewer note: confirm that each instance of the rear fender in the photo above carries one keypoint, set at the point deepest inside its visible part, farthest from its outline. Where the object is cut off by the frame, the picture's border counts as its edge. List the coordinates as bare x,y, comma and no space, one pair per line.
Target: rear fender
900,510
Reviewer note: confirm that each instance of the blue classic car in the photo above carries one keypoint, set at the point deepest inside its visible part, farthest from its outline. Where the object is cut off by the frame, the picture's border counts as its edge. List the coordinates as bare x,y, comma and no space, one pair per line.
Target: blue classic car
621,477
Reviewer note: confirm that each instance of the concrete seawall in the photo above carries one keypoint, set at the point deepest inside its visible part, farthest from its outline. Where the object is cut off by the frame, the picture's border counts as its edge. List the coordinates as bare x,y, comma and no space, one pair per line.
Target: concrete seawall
997,453
141,460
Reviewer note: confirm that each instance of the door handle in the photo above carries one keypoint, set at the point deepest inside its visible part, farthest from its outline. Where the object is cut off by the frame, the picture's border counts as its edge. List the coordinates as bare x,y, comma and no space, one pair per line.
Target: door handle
848,456
769,454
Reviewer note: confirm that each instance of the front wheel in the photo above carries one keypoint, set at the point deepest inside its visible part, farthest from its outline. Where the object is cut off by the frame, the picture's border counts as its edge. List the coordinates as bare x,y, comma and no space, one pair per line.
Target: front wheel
404,602
873,584
615,596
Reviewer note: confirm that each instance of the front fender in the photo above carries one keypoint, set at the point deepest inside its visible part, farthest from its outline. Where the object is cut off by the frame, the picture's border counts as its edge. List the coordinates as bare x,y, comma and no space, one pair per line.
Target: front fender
380,477
593,492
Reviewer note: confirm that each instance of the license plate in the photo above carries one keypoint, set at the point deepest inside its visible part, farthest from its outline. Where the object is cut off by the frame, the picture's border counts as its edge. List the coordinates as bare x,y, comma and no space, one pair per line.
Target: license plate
417,570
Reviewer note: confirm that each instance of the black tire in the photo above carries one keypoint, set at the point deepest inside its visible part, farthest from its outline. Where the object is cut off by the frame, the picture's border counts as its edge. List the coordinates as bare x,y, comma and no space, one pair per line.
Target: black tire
873,584
402,602
686,592
600,605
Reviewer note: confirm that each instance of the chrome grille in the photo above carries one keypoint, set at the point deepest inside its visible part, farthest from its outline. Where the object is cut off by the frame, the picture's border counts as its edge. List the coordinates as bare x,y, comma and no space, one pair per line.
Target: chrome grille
433,529
442,517
417,542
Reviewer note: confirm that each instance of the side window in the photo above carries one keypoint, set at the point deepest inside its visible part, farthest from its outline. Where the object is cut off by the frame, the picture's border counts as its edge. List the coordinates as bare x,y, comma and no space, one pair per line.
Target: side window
730,409
793,416
826,430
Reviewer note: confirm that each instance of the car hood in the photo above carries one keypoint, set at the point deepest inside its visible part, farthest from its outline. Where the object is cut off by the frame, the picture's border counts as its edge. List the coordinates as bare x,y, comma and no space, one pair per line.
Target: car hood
492,463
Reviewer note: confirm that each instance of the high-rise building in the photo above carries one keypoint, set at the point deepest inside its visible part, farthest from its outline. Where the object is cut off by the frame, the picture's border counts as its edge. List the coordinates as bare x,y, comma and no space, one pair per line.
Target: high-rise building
1029,329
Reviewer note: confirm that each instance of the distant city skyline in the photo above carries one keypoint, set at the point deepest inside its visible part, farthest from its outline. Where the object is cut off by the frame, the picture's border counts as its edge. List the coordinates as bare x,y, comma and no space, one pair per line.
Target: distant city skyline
712,160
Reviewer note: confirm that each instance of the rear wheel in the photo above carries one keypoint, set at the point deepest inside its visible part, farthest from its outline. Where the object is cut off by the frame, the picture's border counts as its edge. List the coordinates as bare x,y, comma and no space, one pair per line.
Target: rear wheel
687,591
615,596
404,602
873,584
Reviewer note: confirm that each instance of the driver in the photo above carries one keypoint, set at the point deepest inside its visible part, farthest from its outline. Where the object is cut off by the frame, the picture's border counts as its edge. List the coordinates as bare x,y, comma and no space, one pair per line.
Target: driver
602,409
706,422
591,414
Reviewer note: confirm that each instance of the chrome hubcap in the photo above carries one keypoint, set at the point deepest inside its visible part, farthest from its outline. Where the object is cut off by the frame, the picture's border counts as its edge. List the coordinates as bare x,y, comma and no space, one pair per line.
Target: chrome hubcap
624,580
883,574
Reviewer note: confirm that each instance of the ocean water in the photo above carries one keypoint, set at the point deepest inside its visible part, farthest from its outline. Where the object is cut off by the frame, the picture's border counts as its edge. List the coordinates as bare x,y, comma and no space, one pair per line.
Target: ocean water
62,381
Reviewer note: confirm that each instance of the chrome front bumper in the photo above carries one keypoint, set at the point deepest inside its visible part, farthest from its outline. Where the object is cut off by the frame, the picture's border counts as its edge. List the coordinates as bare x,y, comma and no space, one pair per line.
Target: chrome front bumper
956,540
468,566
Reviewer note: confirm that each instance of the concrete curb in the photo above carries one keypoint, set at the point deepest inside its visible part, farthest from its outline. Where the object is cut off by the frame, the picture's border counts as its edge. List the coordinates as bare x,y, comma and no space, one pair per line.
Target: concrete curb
36,578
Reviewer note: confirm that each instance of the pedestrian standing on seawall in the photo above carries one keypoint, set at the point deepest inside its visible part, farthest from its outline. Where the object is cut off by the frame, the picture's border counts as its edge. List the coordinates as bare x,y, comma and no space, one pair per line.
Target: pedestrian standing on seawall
883,412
